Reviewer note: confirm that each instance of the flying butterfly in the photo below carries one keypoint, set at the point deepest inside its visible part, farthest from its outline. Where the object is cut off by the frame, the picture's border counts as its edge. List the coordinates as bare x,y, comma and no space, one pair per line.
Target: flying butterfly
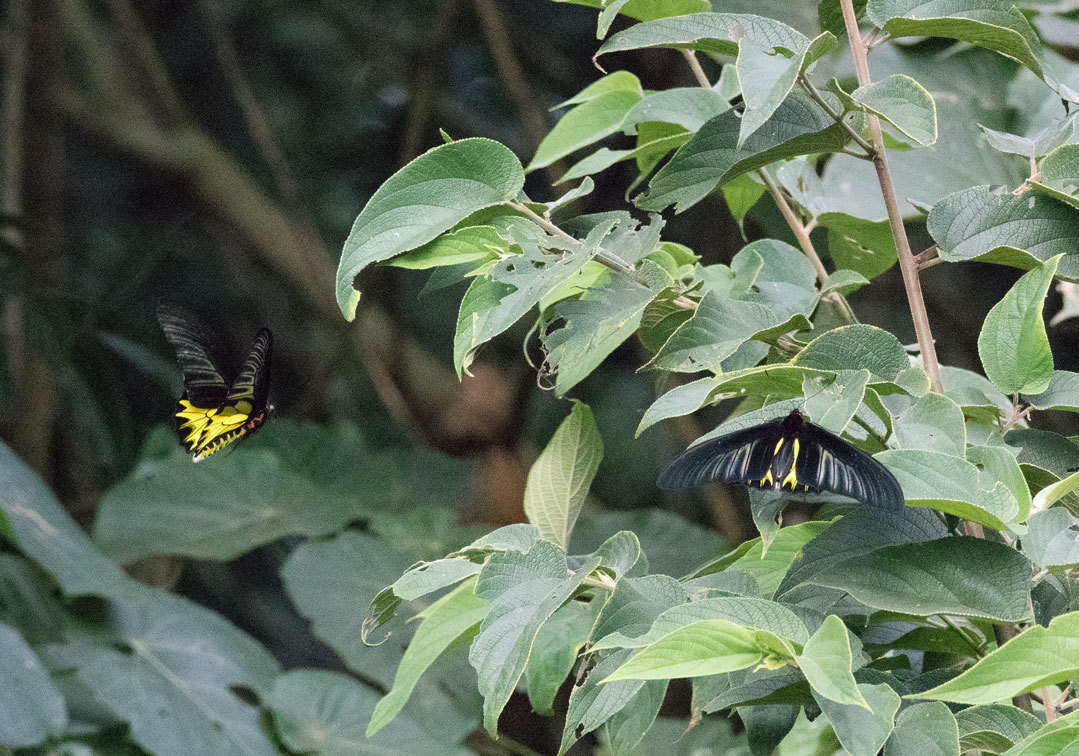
219,405
788,452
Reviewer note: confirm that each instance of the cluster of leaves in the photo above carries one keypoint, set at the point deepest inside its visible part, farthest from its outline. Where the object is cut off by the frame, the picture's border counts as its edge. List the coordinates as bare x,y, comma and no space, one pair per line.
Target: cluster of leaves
859,628
863,619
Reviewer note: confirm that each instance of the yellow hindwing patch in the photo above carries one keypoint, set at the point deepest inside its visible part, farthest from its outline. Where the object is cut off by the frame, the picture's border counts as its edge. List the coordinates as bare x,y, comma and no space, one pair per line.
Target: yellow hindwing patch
792,477
210,429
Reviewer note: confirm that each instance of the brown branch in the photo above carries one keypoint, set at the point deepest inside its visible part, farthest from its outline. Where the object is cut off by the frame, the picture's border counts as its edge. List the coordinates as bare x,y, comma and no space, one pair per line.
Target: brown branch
908,267
698,71
802,235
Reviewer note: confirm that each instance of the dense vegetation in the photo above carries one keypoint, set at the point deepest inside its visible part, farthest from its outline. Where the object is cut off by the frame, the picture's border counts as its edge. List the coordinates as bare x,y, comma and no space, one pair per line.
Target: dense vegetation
820,186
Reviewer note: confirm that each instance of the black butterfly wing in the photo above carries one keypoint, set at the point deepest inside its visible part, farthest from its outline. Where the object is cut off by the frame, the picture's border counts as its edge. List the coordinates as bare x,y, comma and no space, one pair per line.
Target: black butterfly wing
828,463
253,381
206,373
743,456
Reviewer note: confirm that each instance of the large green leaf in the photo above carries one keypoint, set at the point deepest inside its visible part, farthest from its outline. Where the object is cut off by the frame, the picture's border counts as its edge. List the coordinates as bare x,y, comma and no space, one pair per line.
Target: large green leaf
994,727
904,103
293,479
932,422
171,672
963,576
36,523
554,653
1036,657
927,729
1062,393
423,199
559,479
524,591
1060,175
707,647
828,664
592,703
1013,345
440,625
321,712
595,325
31,708
952,484
863,730
713,156
856,347
996,25
1052,538
595,116
1018,230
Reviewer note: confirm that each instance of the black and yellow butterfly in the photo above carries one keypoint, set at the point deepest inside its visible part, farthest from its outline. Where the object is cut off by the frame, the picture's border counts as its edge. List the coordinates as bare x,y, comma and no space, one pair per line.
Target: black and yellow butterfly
219,405
786,452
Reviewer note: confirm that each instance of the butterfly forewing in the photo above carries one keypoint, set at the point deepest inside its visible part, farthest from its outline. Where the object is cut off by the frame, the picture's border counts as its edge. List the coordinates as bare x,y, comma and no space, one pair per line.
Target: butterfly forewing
739,457
206,374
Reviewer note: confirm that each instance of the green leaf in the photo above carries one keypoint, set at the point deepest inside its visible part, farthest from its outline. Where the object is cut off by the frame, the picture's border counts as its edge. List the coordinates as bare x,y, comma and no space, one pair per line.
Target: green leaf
1054,492
1052,539
997,26
1018,230
1036,657
325,713
1060,175
287,481
635,604
843,281
502,295
713,156
31,708
768,569
628,726
559,479
688,107
679,401
999,463
746,612
184,662
1013,345
594,326
833,405
904,103
33,520
28,601
741,194
925,729
863,732
593,119
828,664
1062,394
423,199
994,727
860,532
708,647
718,327
856,347
441,624
1060,738
554,653
932,422
592,703
963,576
524,591
861,245
465,245
673,544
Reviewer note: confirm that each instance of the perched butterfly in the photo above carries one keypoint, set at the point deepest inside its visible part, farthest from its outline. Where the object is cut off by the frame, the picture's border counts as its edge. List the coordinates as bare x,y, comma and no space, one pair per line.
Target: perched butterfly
787,452
219,405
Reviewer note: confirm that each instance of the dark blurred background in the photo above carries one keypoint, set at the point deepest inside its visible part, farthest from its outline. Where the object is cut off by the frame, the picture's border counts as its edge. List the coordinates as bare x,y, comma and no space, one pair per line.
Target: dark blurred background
216,154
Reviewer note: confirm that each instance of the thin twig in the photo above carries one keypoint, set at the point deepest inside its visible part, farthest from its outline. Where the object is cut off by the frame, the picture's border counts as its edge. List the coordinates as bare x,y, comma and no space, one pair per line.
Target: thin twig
979,651
695,66
908,267
818,98
802,235
1048,706
927,254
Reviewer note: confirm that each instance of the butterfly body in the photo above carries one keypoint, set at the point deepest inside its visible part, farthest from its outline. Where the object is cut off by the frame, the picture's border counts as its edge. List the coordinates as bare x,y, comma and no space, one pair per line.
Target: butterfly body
219,405
790,453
